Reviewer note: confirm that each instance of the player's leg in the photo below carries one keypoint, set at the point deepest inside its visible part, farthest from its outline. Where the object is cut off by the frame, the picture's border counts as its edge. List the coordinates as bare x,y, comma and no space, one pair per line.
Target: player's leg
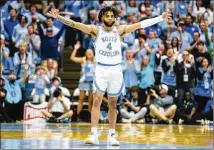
114,89
99,88
80,102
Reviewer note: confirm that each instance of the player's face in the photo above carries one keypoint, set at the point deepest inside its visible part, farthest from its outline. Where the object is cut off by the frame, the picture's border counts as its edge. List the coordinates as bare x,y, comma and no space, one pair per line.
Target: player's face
108,19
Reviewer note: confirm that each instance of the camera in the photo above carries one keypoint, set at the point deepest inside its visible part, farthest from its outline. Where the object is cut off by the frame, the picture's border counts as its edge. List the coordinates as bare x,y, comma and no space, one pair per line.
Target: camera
124,99
57,92
153,87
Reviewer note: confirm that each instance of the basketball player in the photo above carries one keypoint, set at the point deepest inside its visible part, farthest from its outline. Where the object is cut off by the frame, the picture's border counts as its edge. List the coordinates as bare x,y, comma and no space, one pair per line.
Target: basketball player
108,57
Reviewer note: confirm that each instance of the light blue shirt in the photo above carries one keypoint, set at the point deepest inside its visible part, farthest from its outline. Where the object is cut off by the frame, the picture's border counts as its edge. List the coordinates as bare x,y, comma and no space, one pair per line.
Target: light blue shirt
186,39
14,93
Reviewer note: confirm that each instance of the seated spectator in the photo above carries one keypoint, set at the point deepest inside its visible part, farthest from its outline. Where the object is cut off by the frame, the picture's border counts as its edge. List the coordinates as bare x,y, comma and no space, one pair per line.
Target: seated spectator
87,75
186,109
185,76
203,89
14,97
3,114
6,61
130,69
59,107
20,29
41,80
52,68
34,43
56,84
162,106
133,110
20,59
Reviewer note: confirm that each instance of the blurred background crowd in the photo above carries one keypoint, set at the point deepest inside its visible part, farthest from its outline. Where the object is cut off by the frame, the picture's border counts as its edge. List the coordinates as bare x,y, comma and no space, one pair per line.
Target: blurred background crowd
168,67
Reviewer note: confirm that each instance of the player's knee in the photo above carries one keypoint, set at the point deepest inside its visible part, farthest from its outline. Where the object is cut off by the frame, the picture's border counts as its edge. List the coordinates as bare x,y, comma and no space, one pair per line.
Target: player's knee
96,102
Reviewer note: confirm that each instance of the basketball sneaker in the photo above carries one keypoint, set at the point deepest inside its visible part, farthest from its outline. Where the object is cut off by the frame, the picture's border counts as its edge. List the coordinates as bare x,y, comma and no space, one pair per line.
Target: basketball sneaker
111,140
92,139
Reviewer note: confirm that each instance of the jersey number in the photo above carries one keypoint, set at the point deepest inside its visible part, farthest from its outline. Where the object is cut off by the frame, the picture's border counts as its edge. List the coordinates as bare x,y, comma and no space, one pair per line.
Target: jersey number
109,46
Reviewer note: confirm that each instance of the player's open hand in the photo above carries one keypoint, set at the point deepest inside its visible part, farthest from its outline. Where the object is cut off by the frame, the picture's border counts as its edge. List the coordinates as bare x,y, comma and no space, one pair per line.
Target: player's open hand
166,15
54,12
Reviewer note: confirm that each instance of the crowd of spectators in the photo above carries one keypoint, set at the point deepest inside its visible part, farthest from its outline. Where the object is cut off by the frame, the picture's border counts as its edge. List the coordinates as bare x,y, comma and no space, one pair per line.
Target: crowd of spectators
167,67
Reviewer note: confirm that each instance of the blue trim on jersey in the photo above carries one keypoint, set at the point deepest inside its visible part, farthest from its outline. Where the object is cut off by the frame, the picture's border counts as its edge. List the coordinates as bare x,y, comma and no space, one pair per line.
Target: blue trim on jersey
108,64
97,88
117,94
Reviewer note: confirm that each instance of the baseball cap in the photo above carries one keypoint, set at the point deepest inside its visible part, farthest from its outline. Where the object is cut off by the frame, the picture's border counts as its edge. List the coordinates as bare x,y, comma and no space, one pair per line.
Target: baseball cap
181,22
57,78
163,86
49,29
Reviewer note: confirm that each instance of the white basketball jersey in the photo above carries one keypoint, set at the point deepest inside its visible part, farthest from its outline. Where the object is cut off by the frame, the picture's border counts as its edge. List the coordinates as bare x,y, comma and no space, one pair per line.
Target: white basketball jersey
108,47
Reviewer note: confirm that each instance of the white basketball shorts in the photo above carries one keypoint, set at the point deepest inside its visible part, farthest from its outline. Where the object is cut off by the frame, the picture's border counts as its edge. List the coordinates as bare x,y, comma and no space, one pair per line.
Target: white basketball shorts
110,79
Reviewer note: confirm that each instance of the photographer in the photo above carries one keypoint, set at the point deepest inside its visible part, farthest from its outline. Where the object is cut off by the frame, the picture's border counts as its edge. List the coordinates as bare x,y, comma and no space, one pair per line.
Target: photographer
133,110
59,107
162,106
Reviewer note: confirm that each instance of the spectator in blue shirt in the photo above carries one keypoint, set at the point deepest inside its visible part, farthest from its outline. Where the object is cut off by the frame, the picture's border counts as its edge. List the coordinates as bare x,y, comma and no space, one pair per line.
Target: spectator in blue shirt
189,26
10,23
49,42
7,62
33,15
13,101
186,37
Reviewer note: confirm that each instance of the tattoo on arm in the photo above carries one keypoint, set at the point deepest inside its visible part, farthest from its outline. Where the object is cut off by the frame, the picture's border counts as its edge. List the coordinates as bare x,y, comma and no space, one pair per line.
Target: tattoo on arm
66,21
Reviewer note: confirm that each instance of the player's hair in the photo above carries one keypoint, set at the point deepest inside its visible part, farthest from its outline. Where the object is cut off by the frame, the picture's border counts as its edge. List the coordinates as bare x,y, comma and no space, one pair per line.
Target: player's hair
104,10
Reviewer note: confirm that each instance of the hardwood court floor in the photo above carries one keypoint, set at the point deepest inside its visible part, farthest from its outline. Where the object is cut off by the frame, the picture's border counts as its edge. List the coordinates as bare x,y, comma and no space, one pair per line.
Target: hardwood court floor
132,136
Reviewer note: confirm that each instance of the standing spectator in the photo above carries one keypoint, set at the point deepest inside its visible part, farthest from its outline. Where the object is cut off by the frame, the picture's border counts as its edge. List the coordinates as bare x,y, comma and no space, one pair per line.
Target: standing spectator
169,71
159,57
204,76
3,92
20,59
131,69
186,109
41,80
146,76
86,78
162,106
10,23
180,8
182,35
153,40
193,48
131,7
20,29
176,46
205,34
189,26
49,43
197,8
133,110
201,53
185,76
59,107
14,103
34,43
52,68
6,60
33,15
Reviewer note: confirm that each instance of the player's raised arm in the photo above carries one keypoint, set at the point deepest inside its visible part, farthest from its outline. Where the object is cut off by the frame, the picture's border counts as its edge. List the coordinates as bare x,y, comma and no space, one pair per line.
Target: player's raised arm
89,29
123,29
